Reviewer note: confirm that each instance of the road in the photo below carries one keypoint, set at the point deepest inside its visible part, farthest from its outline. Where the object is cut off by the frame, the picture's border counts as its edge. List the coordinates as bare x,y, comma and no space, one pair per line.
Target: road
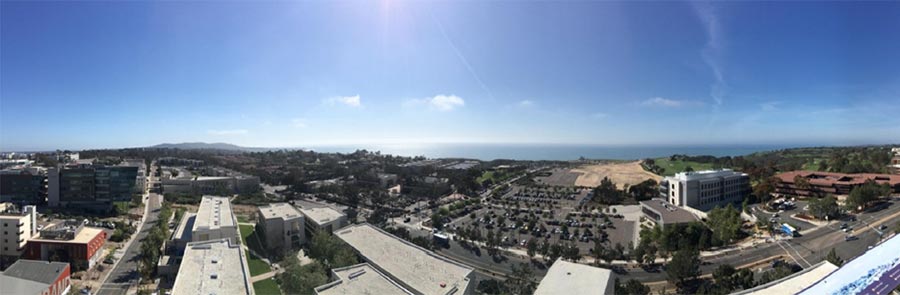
125,272
806,250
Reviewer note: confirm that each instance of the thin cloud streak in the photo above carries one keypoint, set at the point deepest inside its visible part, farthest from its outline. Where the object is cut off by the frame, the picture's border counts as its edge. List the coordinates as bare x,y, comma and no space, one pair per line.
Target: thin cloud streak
228,132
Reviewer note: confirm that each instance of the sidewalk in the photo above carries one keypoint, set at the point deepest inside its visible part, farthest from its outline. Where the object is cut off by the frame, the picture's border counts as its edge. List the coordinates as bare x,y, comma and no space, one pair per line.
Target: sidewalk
131,239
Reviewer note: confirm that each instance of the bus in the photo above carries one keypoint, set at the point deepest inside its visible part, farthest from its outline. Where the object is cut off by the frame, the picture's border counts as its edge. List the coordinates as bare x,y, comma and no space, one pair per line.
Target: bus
789,230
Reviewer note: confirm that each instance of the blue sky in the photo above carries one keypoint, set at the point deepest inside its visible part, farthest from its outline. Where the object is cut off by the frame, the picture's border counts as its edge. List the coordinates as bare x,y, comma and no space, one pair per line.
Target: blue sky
285,74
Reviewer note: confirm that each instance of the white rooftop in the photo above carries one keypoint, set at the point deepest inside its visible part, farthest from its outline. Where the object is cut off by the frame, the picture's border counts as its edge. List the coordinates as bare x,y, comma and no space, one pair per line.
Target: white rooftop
321,215
685,176
572,278
215,212
213,267
361,279
279,210
415,268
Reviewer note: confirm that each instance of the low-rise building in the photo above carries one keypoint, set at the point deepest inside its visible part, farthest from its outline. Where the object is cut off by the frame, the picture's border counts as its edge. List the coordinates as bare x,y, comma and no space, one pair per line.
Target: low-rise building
816,182
199,185
323,219
213,267
704,190
572,278
215,220
17,226
68,242
282,225
417,270
360,279
184,232
659,212
30,277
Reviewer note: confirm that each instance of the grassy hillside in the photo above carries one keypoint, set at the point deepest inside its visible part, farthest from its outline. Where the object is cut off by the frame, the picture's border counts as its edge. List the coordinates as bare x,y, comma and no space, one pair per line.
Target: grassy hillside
674,166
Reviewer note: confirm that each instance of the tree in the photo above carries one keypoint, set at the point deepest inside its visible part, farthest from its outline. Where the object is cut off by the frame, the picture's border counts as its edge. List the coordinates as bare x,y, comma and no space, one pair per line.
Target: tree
632,287
824,207
607,193
298,279
531,247
862,195
685,266
834,258
521,281
725,223
331,251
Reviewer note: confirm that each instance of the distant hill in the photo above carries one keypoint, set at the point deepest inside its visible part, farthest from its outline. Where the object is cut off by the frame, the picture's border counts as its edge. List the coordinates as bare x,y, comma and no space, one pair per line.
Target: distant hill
204,146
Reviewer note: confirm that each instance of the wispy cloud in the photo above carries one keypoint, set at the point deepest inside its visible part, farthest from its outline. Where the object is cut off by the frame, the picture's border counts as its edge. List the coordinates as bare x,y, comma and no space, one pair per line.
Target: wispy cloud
228,132
662,102
438,102
351,101
712,50
770,106
525,103
298,123
599,115
462,57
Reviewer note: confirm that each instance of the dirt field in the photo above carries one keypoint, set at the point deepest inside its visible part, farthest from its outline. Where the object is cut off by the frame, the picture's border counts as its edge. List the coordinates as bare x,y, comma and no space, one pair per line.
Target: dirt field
620,173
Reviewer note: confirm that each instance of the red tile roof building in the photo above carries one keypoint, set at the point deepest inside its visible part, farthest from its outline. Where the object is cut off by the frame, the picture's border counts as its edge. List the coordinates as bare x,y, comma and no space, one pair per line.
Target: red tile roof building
831,183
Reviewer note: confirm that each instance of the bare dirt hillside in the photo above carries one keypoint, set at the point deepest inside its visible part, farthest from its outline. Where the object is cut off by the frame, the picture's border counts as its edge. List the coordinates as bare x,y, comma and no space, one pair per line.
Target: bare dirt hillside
620,173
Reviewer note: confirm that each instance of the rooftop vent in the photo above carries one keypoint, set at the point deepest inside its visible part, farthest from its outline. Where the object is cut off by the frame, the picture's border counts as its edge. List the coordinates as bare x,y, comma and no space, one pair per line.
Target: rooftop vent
214,276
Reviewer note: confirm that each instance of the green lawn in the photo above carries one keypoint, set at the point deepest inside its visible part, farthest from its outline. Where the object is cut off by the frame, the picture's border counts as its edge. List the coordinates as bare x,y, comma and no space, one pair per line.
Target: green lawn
257,266
266,287
244,219
673,167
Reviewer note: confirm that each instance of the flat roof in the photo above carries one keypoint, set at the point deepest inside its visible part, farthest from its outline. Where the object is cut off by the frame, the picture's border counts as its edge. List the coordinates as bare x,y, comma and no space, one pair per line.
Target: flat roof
361,279
183,232
321,215
213,267
794,283
36,270
415,268
215,212
704,174
572,278
279,210
668,212
84,236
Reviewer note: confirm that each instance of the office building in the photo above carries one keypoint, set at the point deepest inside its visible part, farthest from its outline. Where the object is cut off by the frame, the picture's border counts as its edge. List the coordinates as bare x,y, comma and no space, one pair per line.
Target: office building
30,277
822,183
704,190
215,220
282,225
572,278
360,279
68,242
95,187
141,179
659,212
417,270
213,267
323,219
23,186
17,226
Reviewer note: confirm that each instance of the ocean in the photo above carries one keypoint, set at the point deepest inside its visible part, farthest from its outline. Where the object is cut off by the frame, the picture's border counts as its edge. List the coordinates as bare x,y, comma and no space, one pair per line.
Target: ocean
489,152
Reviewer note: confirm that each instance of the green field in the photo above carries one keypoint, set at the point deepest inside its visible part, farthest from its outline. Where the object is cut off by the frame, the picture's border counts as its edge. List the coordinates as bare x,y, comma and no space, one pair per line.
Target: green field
266,287
257,266
673,167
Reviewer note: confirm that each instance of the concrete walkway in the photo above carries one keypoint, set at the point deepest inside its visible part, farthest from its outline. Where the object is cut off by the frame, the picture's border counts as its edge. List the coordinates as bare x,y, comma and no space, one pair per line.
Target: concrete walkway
266,276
